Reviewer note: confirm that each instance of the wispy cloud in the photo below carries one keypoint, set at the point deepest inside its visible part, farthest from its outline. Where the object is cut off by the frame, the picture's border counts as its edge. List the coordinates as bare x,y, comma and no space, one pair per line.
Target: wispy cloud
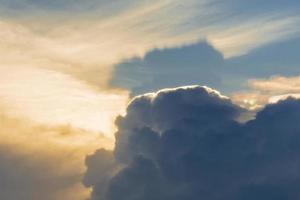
242,37
87,44
271,90
55,63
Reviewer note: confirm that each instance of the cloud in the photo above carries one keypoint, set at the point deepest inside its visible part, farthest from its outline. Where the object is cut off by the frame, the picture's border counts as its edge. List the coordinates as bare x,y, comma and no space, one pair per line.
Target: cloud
69,44
193,64
53,98
77,45
33,159
85,42
263,91
242,38
203,64
62,59
185,143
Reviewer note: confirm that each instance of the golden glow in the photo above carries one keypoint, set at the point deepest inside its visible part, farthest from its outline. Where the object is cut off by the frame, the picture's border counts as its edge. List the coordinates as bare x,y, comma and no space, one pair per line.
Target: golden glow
53,98
55,75
264,91
39,153
55,72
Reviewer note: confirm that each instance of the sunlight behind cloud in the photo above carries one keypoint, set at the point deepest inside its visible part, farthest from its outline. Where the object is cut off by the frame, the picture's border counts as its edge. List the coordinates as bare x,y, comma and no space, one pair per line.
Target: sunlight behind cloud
57,58
53,98
269,90
43,161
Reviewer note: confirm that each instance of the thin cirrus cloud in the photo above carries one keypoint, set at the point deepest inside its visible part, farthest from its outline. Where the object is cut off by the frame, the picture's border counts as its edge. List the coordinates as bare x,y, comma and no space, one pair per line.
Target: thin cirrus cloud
87,42
243,38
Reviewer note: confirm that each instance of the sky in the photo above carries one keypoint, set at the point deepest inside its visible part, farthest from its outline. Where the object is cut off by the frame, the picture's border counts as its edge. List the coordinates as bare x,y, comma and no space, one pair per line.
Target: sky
87,88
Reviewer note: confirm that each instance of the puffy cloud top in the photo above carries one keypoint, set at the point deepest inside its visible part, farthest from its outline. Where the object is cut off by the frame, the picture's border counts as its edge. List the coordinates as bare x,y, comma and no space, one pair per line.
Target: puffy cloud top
185,143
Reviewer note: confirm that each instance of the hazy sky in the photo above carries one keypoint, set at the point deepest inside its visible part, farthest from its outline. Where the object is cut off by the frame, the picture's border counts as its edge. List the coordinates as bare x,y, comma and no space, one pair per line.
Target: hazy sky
68,68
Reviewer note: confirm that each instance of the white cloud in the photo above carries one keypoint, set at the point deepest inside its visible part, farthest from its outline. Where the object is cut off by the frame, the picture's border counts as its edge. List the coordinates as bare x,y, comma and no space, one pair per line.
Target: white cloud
242,37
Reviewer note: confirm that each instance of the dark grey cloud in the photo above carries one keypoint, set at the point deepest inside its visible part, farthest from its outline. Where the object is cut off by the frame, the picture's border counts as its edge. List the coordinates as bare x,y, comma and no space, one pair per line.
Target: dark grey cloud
202,64
185,143
195,64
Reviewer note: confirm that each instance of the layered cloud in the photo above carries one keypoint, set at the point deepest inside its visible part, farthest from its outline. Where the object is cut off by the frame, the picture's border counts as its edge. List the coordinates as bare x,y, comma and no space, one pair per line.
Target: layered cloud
203,64
271,90
186,143
85,44
86,39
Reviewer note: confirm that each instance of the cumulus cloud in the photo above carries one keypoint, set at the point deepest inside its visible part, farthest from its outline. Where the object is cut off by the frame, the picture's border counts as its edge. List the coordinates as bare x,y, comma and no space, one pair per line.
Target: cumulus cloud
186,143
62,41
